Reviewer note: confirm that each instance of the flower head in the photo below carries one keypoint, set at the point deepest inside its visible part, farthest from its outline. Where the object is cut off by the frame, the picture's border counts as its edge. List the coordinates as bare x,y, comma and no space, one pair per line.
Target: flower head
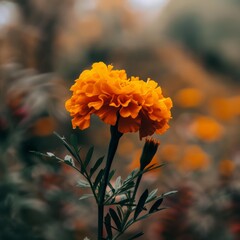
194,158
207,128
109,94
226,167
189,97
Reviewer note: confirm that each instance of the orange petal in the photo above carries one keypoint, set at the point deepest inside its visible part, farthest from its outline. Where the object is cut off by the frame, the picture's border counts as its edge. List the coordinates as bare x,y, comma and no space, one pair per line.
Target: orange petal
81,122
128,124
147,126
98,103
108,114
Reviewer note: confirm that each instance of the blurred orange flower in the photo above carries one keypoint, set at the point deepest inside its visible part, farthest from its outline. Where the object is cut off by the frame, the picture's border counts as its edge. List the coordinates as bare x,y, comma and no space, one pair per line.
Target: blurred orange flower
108,94
225,108
206,128
43,126
169,152
194,158
226,167
189,97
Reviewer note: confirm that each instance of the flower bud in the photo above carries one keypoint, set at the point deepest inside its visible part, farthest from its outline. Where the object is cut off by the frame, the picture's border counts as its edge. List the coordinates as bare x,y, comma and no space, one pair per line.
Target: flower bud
149,150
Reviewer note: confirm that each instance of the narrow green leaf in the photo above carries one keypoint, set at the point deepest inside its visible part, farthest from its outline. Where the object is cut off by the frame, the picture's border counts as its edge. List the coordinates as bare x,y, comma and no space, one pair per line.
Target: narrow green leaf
98,178
96,165
132,174
85,196
50,154
120,212
153,167
152,195
69,160
143,217
126,188
111,174
82,183
118,183
111,186
69,148
115,218
136,236
169,193
141,203
108,226
88,156
155,206
123,202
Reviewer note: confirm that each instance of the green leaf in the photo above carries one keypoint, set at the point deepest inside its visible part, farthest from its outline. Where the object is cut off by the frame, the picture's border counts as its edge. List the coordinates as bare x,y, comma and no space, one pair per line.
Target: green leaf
115,218
108,226
111,175
96,165
136,236
98,178
141,203
155,206
169,193
50,154
88,156
82,183
109,181
143,217
85,196
152,195
120,212
69,160
69,148
124,202
118,183
112,188
126,187
132,174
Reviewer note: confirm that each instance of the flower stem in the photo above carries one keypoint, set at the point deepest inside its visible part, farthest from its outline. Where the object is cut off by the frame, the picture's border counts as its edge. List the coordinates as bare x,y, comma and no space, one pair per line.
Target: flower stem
115,137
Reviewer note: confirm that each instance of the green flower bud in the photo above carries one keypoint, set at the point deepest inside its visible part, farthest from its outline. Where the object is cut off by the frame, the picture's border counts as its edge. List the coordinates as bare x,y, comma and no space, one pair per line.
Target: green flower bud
149,150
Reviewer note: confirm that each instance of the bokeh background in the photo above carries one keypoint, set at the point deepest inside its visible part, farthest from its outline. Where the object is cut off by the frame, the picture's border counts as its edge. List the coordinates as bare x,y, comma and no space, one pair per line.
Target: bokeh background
191,47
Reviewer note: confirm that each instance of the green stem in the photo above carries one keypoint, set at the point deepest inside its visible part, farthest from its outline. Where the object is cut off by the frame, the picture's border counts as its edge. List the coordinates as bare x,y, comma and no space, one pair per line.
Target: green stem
115,137
136,186
129,209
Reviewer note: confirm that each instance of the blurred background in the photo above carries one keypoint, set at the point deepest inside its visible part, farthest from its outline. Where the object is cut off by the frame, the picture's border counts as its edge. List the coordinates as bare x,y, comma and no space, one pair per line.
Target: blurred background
191,47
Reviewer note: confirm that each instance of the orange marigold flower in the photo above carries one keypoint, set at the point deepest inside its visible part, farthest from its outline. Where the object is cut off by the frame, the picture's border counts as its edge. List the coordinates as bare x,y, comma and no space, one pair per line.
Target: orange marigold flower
109,94
194,158
189,97
207,128
226,167
170,152
225,108
43,126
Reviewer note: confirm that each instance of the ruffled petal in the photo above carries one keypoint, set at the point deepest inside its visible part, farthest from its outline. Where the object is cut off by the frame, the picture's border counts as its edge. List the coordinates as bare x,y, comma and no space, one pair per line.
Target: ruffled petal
128,124
108,115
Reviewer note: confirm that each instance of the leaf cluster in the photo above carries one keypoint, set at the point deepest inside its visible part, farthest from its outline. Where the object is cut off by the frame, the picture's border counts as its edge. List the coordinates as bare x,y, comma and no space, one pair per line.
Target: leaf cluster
124,210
